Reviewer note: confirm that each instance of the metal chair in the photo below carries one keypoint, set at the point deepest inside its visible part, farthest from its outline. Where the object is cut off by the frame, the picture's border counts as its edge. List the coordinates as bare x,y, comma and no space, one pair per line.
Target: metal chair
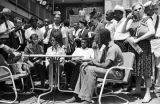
6,75
127,67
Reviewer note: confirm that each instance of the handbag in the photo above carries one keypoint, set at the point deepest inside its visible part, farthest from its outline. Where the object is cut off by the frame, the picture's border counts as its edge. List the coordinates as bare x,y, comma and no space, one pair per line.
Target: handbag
70,46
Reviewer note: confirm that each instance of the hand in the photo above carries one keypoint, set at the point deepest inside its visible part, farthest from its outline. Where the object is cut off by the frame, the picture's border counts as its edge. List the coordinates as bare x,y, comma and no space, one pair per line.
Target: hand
130,16
135,41
84,64
62,60
94,62
47,28
127,40
31,64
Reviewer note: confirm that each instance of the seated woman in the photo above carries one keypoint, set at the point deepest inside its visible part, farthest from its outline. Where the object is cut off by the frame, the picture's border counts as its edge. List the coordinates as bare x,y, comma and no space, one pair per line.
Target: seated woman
55,49
111,56
35,64
72,68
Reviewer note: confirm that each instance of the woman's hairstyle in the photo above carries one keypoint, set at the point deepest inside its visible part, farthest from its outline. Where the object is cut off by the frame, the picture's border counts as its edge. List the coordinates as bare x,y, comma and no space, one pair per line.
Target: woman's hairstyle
58,38
110,12
133,6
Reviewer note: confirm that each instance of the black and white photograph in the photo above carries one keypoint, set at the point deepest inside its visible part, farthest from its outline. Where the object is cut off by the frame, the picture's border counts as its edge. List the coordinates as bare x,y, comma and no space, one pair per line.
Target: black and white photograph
79,51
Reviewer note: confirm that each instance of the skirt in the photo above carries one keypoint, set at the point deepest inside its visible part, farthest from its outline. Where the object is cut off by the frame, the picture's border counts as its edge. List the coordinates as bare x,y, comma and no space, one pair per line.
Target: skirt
143,62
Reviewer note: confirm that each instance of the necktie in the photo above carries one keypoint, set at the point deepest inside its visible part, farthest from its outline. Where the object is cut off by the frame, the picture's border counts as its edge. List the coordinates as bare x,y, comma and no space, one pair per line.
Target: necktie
20,36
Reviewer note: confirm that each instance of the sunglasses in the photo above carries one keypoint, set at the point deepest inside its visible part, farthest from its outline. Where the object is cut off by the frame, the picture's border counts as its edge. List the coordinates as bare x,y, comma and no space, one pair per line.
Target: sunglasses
137,9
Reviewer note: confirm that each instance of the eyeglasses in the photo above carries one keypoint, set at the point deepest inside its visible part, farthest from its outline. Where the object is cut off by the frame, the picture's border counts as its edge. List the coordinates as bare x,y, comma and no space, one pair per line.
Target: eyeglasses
155,9
137,9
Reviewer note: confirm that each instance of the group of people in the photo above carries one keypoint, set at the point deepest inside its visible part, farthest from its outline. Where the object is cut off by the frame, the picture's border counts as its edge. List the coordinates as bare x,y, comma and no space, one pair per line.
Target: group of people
100,42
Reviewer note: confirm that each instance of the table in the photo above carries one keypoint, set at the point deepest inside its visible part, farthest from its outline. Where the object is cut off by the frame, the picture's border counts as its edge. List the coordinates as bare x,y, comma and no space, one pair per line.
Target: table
52,84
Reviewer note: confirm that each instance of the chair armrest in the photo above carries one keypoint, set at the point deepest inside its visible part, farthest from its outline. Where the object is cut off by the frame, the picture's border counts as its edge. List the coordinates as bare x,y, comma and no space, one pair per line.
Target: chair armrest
117,67
121,68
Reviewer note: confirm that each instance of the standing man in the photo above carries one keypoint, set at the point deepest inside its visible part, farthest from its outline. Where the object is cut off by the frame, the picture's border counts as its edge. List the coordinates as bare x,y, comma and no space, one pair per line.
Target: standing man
20,34
45,30
96,28
33,29
6,27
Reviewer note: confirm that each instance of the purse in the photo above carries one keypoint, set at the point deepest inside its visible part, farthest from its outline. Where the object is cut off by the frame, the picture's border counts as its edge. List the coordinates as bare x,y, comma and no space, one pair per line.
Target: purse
70,46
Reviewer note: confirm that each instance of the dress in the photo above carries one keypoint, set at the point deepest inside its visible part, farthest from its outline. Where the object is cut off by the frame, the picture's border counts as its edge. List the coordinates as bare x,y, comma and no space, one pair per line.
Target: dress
143,61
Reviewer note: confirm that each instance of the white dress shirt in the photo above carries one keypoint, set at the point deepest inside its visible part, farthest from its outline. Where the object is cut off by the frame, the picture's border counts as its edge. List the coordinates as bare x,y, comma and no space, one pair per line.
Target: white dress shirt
52,51
118,31
31,31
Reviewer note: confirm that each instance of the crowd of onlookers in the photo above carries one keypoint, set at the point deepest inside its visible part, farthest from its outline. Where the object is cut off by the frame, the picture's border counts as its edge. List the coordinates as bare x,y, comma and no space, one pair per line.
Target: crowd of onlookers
100,41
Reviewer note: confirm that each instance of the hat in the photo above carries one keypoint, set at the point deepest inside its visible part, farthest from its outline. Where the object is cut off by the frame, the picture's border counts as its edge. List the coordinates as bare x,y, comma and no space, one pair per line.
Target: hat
118,7
148,3
33,18
18,19
83,21
6,11
97,15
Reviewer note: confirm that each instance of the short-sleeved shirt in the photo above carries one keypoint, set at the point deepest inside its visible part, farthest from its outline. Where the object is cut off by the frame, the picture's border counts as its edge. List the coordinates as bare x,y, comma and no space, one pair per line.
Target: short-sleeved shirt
87,53
113,53
3,28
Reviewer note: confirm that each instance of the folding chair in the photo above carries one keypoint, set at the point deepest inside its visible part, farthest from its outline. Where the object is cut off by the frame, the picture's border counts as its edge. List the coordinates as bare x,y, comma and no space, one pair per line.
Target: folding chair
6,75
127,67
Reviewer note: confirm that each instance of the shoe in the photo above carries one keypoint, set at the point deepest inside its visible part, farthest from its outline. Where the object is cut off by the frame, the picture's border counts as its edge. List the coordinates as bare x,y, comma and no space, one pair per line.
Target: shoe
135,92
157,90
147,98
70,89
85,102
71,100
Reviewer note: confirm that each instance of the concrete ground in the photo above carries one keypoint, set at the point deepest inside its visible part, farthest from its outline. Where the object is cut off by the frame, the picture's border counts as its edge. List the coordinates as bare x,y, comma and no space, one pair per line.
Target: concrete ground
59,98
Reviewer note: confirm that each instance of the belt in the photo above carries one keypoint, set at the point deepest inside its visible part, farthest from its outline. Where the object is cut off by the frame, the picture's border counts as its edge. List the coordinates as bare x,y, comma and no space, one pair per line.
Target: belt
157,37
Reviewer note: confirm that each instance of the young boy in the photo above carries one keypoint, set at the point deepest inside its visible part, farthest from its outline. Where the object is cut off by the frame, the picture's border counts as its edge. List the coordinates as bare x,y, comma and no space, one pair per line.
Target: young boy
35,63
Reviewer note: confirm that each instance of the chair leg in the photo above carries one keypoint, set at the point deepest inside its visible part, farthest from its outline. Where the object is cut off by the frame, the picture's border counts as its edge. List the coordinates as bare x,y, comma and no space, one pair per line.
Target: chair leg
32,89
15,92
22,81
127,102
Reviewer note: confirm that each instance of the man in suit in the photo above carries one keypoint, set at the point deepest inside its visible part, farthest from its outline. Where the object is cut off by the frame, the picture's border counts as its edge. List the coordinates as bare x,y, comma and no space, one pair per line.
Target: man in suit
96,28
20,34
83,33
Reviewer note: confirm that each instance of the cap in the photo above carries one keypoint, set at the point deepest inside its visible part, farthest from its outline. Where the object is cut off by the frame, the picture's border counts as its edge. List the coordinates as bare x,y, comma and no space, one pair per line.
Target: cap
148,3
57,16
83,21
97,15
118,7
33,18
6,11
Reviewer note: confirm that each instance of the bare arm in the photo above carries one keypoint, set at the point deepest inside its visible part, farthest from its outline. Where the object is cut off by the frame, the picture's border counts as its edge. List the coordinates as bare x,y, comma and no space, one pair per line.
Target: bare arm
105,64
150,33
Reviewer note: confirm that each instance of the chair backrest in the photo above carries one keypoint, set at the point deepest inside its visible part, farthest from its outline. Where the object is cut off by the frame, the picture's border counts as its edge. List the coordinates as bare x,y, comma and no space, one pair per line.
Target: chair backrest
3,73
128,58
